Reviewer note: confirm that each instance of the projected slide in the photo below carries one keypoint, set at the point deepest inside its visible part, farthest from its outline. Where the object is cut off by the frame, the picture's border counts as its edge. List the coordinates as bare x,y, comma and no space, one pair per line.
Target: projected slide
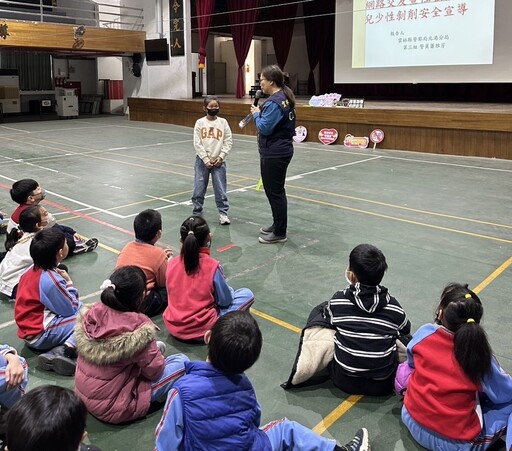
394,33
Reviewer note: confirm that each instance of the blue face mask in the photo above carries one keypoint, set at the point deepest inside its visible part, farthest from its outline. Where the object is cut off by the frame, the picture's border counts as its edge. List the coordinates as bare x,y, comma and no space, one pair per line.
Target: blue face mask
212,111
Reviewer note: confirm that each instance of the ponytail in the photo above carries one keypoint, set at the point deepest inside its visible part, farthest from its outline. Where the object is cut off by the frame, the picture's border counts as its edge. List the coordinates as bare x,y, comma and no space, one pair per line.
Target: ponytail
29,220
125,290
194,234
289,95
461,314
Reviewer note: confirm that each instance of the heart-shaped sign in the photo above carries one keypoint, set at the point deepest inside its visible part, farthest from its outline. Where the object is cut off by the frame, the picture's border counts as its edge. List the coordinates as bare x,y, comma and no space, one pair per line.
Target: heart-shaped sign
328,135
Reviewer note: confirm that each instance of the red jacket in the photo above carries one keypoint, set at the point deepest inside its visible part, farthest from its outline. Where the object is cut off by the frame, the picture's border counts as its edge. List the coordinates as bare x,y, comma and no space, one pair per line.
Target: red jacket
191,310
117,360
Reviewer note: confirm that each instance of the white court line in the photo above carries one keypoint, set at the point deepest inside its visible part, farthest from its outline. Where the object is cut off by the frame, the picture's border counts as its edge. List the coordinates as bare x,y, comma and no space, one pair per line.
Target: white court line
83,204
332,168
15,129
82,298
161,198
67,213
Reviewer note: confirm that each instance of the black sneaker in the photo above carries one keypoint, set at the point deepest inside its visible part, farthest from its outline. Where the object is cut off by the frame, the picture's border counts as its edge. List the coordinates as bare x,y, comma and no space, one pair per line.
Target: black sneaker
271,239
85,246
57,360
360,442
267,230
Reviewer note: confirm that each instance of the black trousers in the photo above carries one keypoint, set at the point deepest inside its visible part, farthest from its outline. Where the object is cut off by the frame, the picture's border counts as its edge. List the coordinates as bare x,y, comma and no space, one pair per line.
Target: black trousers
273,175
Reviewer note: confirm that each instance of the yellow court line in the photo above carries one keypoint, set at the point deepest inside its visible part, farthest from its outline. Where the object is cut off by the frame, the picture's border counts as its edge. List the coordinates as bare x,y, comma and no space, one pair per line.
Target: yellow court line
336,414
385,204
108,248
492,276
408,221
276,321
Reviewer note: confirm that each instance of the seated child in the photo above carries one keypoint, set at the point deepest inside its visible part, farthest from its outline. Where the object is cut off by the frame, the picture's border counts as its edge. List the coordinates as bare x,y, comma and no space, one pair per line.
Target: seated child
458,397
18,259
151,259
358,336
47,304
197,290
121,370
48,418
13,376
27,192
214,407
368,321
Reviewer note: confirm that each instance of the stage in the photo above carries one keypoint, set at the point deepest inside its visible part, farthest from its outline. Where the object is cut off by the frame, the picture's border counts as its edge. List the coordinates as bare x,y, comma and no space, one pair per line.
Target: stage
469,129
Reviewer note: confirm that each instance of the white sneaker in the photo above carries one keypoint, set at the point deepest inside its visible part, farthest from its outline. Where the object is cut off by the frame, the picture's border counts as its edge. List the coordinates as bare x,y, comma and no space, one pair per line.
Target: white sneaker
161,346
224,220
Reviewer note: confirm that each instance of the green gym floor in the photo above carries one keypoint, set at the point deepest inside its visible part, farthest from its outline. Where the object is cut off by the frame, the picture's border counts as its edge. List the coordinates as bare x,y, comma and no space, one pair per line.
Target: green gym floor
437,219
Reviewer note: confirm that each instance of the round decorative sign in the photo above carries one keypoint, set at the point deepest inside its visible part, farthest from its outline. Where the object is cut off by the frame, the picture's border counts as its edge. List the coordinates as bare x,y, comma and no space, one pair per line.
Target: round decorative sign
377,136
300,134
328,135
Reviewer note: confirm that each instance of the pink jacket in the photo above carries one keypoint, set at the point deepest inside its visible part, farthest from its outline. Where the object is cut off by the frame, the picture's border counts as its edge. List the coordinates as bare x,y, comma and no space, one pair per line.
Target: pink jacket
117,360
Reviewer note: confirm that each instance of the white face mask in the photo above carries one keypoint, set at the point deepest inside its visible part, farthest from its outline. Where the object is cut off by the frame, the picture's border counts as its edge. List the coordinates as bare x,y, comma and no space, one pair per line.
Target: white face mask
346,276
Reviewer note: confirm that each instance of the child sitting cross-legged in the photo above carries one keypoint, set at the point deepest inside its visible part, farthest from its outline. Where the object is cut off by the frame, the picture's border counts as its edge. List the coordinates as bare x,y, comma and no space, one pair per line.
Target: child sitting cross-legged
151,259
214,406
17,259
197,290
121,369
47,304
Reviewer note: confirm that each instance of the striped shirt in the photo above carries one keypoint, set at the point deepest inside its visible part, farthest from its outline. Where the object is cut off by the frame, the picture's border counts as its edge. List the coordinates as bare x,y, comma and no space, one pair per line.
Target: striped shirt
368,322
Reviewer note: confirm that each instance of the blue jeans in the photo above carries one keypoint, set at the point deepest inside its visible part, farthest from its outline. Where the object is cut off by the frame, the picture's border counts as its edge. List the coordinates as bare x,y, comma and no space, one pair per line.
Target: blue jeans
219,182
285,434
8,396
174,369
495,419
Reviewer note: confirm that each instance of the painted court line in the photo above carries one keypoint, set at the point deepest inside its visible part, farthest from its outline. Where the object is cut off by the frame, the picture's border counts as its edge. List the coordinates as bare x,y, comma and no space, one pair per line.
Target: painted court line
482,285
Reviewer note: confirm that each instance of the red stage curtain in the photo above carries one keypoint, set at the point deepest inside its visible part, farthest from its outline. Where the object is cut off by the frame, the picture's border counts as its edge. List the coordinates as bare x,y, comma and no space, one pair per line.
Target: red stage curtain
316,37
242,17
282,30
204,10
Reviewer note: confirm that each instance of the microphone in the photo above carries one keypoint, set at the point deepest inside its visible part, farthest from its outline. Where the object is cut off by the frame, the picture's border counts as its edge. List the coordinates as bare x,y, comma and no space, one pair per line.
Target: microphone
247,119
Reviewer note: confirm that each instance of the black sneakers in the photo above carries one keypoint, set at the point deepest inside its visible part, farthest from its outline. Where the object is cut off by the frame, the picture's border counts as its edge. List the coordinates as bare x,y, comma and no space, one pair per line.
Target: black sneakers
61,360
271,239
85,246
360,442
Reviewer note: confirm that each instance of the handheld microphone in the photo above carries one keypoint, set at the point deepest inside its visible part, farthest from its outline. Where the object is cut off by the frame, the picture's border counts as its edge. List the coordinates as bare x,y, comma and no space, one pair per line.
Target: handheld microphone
248,118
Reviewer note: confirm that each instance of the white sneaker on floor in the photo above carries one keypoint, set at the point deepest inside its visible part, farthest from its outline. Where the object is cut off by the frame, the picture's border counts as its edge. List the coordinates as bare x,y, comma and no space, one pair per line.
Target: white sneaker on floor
224,220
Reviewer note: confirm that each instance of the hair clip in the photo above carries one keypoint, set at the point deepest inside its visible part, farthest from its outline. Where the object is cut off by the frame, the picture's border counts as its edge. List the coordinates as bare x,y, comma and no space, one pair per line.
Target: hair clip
470,320
467,295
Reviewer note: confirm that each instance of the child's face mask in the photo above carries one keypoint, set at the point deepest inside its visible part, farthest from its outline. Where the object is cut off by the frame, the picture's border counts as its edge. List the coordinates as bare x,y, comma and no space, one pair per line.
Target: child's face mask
212,111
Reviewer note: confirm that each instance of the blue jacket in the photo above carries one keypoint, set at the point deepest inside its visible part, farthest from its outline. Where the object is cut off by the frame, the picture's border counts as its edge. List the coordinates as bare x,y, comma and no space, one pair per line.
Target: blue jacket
276,127
217,412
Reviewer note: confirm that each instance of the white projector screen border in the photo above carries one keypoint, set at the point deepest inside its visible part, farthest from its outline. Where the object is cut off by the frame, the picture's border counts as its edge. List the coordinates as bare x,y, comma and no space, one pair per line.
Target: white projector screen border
498,72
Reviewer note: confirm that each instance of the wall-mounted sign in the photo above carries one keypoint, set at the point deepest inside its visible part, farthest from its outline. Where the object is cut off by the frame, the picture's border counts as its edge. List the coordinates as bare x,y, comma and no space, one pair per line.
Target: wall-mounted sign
328,135
177,28
300,133
360,142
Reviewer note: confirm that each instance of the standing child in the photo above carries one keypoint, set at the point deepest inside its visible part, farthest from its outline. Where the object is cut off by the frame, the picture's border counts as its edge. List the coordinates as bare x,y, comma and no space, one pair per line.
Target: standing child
121,370
197,290
212,141
47,304
18,259
214,406
458,397
27,192
151,259
48,418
